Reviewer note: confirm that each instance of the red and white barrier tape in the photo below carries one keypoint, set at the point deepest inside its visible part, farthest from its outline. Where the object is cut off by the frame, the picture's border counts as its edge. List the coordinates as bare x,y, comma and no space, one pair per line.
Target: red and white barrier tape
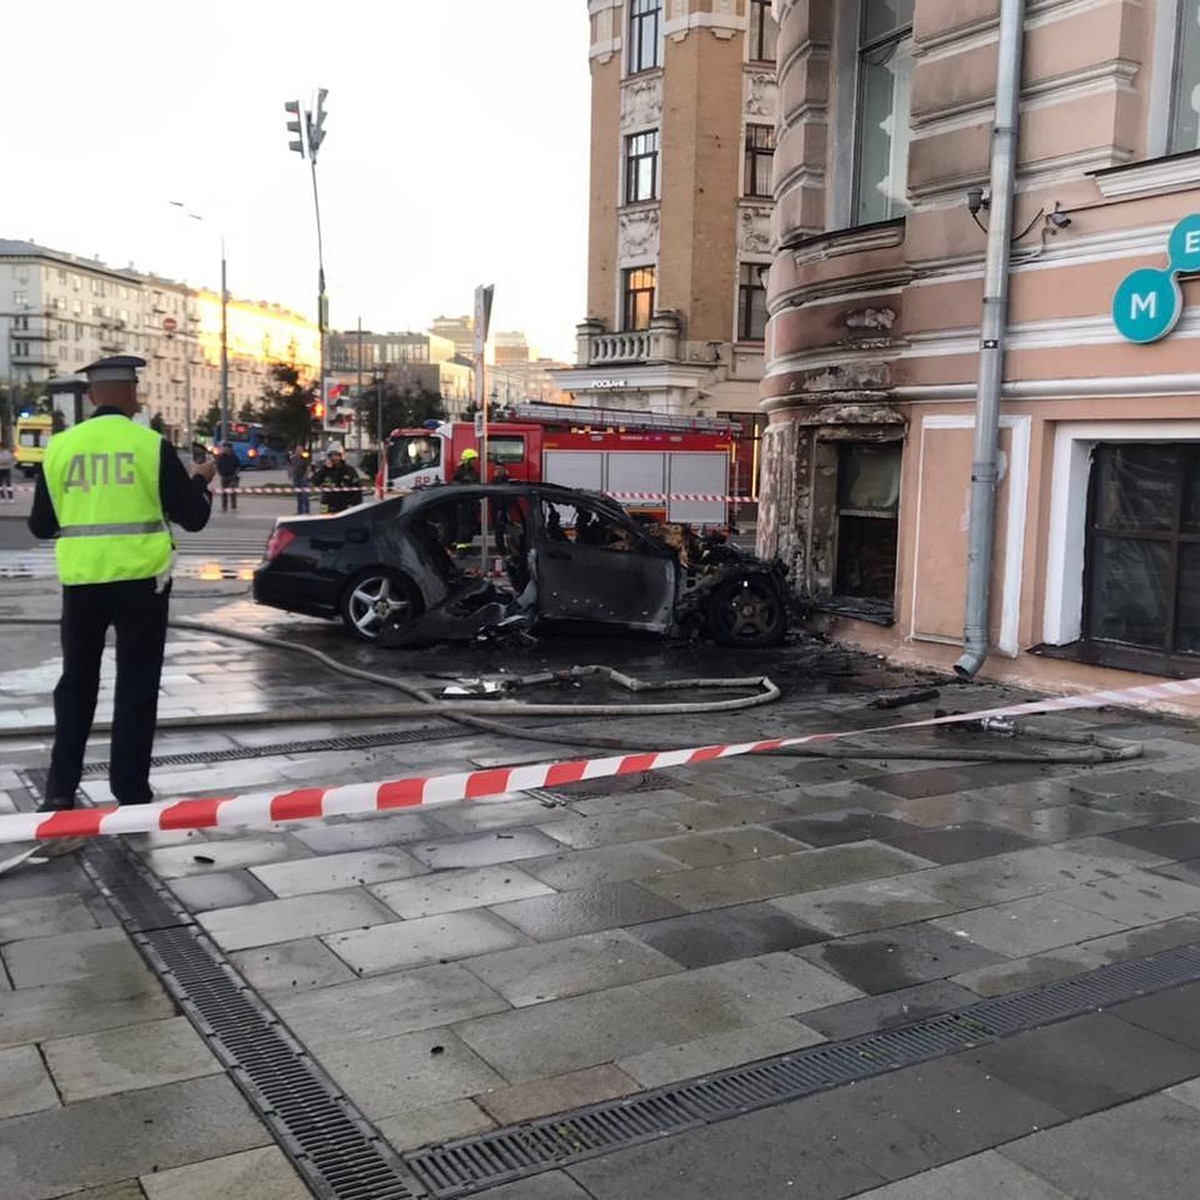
425,791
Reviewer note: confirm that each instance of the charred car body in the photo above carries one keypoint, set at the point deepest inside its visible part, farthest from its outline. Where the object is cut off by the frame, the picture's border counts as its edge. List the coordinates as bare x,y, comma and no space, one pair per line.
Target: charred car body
569,558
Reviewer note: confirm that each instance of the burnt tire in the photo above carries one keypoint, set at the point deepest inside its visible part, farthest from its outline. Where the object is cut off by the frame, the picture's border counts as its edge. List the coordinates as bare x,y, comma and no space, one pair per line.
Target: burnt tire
375,598
747,610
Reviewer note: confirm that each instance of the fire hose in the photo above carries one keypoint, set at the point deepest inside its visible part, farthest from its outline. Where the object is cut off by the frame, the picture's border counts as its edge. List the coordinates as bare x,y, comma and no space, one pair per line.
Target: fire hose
1090,748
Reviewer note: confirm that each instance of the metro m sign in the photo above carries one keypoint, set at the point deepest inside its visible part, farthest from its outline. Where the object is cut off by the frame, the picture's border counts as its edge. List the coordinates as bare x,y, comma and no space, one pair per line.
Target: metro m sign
1149,302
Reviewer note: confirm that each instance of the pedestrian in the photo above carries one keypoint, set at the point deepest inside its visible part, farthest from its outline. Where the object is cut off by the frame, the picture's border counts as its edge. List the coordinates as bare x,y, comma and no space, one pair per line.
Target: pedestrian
500,510
107,490
340,485
228,468
8,460
298,470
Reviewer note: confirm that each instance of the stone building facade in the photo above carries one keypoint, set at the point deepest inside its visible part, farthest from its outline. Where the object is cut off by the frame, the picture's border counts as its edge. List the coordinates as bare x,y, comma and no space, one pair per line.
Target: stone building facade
683,119
875,295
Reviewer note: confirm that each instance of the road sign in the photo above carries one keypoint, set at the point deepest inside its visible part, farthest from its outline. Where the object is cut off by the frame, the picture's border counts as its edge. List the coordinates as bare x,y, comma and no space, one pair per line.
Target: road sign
170,324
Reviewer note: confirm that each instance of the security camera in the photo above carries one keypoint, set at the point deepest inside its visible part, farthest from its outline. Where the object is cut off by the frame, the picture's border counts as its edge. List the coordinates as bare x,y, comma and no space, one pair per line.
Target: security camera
976,200
1058,219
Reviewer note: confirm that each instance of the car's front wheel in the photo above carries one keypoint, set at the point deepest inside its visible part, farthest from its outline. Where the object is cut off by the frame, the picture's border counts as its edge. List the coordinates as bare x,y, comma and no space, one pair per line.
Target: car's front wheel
747,611
377,598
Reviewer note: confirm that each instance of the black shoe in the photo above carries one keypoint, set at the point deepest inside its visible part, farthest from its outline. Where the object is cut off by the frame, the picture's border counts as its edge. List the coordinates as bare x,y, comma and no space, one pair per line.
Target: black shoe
56,804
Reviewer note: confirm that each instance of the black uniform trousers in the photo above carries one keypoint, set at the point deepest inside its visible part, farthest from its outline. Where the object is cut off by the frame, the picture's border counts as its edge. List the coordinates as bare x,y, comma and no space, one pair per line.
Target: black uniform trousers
139,615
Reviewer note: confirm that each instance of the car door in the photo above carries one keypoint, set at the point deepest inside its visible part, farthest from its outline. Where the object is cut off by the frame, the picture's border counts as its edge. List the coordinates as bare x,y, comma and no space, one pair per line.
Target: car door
595,566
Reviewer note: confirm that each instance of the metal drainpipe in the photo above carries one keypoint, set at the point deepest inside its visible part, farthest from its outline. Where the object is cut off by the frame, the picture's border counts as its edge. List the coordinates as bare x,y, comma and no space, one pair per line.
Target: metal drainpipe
982,530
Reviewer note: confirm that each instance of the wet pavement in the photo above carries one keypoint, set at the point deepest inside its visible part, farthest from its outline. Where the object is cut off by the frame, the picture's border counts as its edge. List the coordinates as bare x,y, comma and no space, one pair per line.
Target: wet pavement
472,966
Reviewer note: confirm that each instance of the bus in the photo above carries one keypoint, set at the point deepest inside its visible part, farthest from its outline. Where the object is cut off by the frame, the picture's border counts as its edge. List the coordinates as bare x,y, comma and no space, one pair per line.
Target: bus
256,449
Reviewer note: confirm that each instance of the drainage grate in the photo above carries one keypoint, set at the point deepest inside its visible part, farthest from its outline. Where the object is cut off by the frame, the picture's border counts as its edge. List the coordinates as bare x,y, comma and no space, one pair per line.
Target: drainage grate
336,1150
473,1164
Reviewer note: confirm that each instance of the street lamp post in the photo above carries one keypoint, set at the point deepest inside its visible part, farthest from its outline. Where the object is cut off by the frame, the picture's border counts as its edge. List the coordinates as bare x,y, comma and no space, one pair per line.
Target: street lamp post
224,339
308,128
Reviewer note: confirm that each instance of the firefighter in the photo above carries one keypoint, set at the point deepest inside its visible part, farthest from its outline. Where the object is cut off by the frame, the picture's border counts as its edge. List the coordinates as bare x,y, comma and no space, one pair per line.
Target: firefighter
468,467
468,518
106,492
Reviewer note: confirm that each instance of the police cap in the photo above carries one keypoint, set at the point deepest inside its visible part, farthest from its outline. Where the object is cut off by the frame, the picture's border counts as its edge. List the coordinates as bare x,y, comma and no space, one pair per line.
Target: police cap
120,368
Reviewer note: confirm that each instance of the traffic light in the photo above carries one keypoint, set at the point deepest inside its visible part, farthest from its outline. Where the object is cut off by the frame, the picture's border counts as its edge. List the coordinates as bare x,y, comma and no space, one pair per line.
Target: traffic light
292,108
317,410
316,124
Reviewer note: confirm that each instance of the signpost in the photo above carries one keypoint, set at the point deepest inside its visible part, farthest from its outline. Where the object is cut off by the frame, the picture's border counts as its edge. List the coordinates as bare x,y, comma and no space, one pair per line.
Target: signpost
483,318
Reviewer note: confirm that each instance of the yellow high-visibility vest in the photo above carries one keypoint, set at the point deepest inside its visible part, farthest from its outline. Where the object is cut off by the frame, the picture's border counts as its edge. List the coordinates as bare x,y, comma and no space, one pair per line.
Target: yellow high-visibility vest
103,477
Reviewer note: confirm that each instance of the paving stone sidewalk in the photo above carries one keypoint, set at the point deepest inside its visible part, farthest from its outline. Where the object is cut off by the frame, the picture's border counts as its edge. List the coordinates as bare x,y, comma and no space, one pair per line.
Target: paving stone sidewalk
470,967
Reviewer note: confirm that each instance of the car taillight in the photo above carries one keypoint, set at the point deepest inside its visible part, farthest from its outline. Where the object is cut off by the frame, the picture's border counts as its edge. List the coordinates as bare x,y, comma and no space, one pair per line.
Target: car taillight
278,542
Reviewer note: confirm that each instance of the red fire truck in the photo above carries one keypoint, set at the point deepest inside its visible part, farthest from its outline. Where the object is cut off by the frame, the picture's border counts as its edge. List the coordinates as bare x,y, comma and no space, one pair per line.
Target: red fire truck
668,467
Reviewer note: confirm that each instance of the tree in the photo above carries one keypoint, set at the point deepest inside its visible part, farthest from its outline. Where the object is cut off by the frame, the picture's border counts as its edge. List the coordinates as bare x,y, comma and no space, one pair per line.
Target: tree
157,423
286,404
403,407
208,421
248,413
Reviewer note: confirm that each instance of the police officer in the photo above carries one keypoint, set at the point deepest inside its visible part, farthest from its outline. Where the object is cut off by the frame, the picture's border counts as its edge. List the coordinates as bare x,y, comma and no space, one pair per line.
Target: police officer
107,489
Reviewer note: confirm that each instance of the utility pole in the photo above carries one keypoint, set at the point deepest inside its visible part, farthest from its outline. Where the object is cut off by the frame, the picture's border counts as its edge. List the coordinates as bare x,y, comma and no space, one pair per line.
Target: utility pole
358,397
308,129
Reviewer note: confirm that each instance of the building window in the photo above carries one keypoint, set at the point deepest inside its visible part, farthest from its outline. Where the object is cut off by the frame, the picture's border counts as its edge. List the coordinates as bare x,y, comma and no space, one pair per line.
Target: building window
641,166
643,35
868,497
763,31
760,149
1185,108
20,299
1142,564
885,60
638,304
752,303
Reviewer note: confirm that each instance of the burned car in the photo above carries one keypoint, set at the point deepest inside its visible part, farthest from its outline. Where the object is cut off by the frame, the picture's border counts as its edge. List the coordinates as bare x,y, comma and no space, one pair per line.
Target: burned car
396,573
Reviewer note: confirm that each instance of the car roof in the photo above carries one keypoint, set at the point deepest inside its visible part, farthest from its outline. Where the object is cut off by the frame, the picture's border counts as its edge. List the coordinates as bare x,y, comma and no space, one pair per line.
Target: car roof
556,493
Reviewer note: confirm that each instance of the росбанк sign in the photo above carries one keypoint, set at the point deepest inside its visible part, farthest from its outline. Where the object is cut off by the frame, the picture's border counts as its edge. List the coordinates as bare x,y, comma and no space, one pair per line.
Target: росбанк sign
1149,302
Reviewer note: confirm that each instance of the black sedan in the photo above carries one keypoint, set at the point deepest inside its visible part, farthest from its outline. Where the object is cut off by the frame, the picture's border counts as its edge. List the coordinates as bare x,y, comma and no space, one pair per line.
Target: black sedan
403,572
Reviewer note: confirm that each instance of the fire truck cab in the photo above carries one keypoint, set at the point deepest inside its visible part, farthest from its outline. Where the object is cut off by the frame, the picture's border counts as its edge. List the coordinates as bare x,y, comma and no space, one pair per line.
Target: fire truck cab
666,467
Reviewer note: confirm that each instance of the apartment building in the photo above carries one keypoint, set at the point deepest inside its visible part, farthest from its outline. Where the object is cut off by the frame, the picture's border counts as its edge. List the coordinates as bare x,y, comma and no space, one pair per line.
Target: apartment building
683,115
62,312
873,342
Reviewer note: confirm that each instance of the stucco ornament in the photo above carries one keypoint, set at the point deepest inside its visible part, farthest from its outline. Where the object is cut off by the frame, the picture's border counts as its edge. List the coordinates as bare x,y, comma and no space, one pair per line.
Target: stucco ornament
762,94
641,102
754,233
637,235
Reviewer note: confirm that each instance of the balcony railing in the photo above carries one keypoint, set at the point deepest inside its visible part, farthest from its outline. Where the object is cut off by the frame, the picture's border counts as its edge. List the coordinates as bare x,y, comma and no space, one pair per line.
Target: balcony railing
620,347
660,343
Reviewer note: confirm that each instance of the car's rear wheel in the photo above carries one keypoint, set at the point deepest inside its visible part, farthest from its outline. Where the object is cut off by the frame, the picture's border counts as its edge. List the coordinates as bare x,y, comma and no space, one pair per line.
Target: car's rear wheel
746,611
376,598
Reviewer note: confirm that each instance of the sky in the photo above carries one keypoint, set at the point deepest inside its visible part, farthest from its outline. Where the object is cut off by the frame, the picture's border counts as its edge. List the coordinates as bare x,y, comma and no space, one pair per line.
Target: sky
456,150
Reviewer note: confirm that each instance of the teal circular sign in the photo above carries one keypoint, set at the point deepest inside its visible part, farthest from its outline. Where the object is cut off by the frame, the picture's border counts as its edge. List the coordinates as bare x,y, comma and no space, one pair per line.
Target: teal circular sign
1183,249
1147,305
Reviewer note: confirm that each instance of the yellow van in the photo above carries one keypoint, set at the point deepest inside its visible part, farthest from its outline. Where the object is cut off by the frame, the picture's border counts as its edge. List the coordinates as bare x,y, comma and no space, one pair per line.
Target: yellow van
32,435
